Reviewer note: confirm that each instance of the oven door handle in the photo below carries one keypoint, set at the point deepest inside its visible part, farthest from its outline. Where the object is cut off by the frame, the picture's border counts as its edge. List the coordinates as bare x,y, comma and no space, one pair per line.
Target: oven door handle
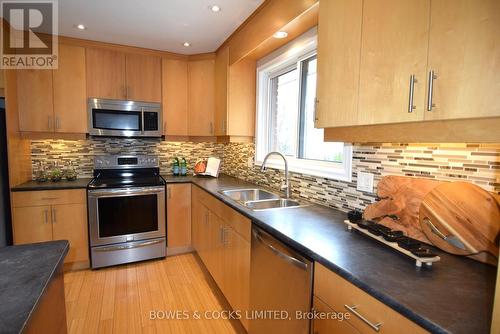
131,246
126,192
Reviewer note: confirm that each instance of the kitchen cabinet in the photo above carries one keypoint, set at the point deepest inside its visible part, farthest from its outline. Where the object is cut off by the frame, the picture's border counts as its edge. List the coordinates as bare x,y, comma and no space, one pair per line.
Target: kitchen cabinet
35,100
143,78
106,74
339,42
31,224
201,97
235,87
221,237
464,49
116,75
326,326
337,294
52,215
179,215
175,97
70,98
54,100
390,59
442,68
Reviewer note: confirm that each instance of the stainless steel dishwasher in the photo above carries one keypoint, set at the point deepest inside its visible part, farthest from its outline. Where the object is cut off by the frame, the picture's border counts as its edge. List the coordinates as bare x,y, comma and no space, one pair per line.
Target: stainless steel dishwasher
280,286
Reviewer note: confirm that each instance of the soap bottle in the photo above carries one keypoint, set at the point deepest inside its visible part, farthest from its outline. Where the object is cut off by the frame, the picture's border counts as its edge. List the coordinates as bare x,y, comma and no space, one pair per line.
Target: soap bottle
183,167
175,167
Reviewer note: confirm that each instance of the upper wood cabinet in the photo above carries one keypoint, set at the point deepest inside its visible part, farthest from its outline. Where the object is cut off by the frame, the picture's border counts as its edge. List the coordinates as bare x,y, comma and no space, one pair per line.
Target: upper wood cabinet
380,72
70,98
175,97
201,97
116,75
235,89
35,100
390,59
143,78
54,101
106,74
339,42
464,53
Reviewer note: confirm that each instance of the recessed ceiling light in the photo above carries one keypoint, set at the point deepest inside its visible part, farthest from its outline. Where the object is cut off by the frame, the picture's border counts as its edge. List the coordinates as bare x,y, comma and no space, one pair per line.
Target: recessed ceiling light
186,44
215,8
280,34
81,27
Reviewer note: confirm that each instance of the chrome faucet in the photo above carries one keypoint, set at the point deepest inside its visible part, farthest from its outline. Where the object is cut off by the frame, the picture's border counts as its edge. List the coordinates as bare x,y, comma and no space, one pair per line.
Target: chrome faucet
286,186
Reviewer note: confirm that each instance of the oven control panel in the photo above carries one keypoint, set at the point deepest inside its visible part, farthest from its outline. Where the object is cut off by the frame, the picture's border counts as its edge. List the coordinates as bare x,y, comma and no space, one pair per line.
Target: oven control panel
125,161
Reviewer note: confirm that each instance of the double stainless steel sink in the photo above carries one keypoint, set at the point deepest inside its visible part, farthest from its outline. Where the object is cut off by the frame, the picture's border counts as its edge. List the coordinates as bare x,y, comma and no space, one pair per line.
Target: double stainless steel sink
259,199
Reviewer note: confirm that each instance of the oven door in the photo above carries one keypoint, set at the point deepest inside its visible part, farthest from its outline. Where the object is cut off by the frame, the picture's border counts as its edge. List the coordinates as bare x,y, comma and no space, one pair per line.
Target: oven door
122,215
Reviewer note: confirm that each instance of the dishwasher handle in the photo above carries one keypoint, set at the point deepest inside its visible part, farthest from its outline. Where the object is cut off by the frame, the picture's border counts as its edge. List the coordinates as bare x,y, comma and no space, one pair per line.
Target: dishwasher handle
279,253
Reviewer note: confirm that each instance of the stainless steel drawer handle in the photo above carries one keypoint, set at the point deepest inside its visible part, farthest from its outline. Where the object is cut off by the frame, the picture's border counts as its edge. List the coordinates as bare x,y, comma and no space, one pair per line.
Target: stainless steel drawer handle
121,247
284,256
411,106
353,309
430,91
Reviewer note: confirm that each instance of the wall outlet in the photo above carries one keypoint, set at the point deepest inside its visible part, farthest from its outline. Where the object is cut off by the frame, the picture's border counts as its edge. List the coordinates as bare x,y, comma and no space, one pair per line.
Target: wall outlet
250,162
365,182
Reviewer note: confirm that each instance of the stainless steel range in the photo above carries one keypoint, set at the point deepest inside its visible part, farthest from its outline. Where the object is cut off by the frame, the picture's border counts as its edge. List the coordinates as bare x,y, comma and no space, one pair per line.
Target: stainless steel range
126,204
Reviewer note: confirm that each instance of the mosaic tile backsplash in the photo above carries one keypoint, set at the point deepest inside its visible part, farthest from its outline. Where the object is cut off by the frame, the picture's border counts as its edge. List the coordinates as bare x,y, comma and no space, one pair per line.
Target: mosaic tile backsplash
476,163
81,152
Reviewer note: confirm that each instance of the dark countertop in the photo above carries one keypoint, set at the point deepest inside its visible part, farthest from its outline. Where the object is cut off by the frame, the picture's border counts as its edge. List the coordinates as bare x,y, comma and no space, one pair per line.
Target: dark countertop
49,185
454,296
25,272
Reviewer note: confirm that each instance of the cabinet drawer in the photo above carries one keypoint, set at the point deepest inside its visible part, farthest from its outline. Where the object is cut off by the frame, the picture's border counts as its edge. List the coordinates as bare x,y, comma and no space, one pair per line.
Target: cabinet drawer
48,197
337,293
326,326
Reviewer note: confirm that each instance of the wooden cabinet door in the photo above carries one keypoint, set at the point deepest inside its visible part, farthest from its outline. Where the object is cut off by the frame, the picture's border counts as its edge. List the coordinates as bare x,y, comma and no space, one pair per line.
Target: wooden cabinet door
179,215
237,271
464,52
327,326
221,91
31,224
201,104
69,222
35,100
143,78
242,106
339,49
105,74
175,97
70,96
394,43
216,250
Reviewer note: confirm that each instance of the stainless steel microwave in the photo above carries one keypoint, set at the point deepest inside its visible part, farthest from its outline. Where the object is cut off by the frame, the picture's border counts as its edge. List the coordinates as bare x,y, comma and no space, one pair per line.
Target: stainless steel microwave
119,118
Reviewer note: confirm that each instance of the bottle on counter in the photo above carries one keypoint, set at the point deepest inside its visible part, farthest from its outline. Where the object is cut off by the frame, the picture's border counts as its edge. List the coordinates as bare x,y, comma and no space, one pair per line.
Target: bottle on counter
175,167
183,167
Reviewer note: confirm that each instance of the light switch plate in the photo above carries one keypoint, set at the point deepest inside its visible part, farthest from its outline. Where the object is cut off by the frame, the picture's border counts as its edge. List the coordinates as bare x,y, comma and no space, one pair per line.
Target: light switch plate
365,182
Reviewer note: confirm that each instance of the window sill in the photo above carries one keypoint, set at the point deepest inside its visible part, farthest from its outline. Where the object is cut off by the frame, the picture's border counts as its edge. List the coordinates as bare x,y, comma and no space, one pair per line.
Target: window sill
324,169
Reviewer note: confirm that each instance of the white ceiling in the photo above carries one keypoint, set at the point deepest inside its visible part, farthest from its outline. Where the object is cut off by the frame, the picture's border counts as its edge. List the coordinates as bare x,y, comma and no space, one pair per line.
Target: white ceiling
155,24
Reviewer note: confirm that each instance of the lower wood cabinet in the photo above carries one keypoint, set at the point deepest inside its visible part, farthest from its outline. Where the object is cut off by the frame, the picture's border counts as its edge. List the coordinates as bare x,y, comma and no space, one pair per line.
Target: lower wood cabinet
335,294
221,237
178,216
52,215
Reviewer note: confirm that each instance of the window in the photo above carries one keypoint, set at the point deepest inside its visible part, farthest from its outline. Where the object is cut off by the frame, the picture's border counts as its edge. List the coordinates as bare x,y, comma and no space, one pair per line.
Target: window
286,109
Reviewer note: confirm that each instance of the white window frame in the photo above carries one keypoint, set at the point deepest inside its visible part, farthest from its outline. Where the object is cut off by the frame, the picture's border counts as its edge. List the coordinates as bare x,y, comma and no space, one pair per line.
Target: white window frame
278,62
